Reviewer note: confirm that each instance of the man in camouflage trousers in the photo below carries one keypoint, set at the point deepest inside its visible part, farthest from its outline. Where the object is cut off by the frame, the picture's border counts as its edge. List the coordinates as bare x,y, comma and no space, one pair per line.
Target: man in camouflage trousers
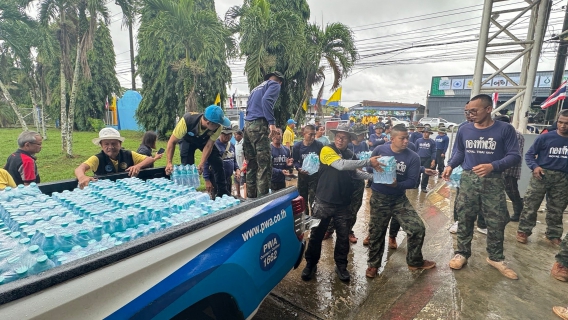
548,160
390,201
259,127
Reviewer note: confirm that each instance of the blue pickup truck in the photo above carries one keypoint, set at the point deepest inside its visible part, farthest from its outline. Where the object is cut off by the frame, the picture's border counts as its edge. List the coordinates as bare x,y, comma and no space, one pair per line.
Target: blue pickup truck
220,266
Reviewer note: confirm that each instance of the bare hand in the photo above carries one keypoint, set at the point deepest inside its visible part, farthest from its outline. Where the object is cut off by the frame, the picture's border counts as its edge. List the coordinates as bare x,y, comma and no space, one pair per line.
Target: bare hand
538,173
133,171
447,172
433,164
84,181
272,130
287,173
430,172
200,168
376,164
158,156
482,169
303,172
238,173
169,168
370,143
208,186
443,155
289,162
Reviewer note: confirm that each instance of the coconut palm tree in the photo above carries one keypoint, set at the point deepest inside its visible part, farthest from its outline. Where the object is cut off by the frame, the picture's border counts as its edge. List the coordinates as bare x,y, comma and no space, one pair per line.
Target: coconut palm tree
199,32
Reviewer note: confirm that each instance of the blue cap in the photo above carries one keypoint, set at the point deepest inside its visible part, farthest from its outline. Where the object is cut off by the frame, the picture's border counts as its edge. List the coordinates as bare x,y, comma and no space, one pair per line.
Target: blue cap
215,114
291,121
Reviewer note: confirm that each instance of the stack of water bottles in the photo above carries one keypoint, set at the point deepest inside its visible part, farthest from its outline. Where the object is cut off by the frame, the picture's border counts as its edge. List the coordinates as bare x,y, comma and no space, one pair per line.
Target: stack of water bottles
455,177
388,175
311,163
38,232
186,175
364,155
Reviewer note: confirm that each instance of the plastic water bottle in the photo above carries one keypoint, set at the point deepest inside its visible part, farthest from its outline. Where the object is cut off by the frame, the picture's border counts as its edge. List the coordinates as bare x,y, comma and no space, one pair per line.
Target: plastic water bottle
42,264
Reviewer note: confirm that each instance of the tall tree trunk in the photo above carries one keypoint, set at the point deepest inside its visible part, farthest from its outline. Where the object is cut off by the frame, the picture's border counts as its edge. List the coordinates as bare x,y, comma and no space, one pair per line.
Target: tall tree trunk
132,70
42,102
34,109
63,88
318,102
13,105
73,100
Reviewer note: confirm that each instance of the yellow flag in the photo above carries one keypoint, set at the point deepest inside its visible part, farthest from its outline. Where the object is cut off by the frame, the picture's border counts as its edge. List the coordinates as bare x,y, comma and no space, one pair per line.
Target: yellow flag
218,99
305,105
336,96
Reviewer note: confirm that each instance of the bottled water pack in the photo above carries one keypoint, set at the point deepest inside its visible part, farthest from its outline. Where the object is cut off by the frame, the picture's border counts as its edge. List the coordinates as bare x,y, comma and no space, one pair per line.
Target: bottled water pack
39,232
364,155
311,163
389,170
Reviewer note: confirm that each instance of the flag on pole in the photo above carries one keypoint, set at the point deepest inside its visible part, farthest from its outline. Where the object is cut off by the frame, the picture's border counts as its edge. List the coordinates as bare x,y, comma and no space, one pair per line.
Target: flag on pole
305,105
230,102
495,98
336,96
217,99
559,94
106,103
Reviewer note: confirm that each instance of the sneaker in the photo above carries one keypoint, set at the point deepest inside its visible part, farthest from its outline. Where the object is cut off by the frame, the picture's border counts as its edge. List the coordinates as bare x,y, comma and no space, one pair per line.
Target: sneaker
352,238
425,266
371,272
308,273
522,237
480,230
458,261
392,243
342,274
503,268
424,190
561,312
327,235
559,272
454,228
554,241
366,241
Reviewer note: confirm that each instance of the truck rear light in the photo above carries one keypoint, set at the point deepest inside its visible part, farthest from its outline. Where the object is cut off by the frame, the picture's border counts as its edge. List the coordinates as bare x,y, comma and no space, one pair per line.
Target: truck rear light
298,209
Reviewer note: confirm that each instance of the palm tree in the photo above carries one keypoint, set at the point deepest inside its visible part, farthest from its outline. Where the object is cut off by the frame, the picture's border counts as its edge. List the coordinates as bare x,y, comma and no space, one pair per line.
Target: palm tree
200,32
266,38
331,49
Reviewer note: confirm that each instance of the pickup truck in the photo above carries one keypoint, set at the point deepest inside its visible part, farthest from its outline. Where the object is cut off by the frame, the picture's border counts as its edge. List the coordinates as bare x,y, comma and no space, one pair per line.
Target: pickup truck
435,122
220,266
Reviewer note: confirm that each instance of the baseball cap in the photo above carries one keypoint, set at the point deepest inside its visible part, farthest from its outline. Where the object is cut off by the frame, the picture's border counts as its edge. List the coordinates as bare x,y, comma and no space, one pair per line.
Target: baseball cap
274,73
227,130
215,114
291,121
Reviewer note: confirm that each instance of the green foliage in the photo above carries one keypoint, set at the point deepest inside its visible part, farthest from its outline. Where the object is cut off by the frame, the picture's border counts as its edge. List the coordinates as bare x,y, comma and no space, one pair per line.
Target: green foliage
103,82
95,125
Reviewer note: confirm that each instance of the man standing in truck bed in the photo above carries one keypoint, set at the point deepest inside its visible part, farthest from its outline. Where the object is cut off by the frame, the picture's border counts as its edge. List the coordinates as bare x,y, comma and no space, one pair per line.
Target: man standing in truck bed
260,125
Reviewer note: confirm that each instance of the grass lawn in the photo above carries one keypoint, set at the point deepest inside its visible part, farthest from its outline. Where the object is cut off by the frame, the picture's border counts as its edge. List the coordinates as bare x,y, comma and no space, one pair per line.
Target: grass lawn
54,165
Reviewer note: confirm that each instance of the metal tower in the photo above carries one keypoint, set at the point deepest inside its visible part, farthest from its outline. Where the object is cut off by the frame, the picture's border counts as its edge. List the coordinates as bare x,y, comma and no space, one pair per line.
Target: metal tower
528,49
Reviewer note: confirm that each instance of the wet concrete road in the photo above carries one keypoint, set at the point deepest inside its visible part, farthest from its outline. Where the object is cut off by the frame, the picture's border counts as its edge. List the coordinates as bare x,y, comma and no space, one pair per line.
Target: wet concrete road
478,291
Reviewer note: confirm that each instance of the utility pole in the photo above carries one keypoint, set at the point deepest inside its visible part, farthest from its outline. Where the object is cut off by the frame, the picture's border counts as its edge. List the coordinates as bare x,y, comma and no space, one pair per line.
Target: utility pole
496,23
132,70
559,67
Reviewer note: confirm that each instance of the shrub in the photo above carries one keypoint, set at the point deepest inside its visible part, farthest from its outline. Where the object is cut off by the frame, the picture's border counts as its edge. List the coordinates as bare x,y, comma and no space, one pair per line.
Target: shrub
96,124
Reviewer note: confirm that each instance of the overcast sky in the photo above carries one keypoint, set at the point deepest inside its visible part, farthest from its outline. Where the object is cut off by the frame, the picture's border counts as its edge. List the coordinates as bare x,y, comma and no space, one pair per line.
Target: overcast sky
383,26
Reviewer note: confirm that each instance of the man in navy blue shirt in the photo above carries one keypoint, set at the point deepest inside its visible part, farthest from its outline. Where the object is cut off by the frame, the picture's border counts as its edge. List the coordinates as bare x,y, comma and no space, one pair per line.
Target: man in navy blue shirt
442,143
378,138
259,127
307,184
389,200
418,134
484,149
281,162
548,160
427,153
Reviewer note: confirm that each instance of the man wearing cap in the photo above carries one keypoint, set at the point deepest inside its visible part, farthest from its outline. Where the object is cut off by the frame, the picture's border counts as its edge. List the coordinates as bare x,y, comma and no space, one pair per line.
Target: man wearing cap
442,143
416,135
259,127
199,132
111,159
289,136
356,146
307,184
427,153
21,164
281,162
378,138
333,199
230,165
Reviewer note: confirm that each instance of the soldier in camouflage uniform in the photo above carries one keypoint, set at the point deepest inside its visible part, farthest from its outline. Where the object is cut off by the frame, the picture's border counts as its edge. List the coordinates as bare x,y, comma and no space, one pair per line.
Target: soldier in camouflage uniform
259,126
333,200
548,160
390,201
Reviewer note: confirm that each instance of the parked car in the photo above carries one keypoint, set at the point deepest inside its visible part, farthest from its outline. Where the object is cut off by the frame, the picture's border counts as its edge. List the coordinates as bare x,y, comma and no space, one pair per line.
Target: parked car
435,122
396,121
